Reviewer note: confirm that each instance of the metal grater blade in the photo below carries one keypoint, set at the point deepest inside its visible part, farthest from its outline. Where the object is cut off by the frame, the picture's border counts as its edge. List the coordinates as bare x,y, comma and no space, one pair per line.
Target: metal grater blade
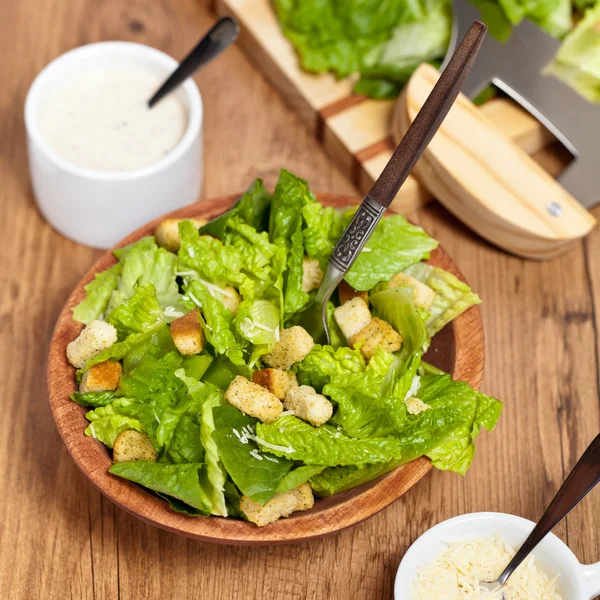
516,67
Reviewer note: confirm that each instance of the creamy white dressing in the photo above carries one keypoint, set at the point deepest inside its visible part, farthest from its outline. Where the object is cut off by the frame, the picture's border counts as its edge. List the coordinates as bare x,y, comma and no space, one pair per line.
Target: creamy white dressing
100,120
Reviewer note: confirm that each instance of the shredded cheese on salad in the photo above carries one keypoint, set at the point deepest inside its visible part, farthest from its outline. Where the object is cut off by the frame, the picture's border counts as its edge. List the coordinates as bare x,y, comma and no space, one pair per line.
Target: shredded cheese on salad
456,572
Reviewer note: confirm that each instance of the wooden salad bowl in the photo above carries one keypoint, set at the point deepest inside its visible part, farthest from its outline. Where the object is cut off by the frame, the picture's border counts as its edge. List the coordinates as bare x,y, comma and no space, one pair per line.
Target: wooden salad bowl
458,349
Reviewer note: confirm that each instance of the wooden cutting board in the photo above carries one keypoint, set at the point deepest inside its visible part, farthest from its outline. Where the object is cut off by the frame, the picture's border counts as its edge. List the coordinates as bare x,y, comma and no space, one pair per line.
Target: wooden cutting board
357,131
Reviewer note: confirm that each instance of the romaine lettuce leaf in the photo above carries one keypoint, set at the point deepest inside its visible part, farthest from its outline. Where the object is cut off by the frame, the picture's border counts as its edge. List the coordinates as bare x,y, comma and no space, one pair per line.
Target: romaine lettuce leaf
452,296
93,399
325,445
156,266
146,243
258,322
252,208
577,62
216,321
139,313
294,298
324,363
106,424
185,446
394,245
397,307
298,476
334,480
255,473
98,294
322,228
452,402
209,258
188,483
206,397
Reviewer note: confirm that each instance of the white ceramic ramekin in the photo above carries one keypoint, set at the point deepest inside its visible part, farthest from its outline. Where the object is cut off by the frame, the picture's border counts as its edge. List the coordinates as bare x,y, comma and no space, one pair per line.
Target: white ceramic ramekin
99,208
576,581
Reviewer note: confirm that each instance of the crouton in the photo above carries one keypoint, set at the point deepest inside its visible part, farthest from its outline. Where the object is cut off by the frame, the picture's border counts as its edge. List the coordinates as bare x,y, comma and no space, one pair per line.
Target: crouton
293,345
423,294
187,333
352,317
347,292
377,333
167,233
102,377
281,505
312,274
308,405
416,406
230,299
253,399
132,445
278,382
95,338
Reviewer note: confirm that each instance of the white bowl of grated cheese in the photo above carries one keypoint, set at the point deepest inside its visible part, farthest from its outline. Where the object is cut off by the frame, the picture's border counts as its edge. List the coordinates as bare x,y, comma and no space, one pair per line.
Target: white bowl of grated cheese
446,562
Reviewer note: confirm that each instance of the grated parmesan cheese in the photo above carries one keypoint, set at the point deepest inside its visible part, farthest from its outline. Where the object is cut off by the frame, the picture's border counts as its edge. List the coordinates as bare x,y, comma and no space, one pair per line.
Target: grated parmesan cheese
456,572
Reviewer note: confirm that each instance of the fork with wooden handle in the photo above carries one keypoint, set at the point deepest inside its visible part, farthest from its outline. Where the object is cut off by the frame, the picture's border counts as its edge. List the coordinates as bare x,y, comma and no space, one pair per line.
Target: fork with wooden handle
384,190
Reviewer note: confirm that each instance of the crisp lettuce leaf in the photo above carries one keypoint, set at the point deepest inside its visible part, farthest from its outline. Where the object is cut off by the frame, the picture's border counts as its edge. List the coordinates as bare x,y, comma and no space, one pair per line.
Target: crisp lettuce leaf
216,321
98,294
334,480
323,364
297,477
139,313
252,208
577,62
188,483
450,427
93,399
397,307
327,446
394,245
323,226
146,243
207,397
209,258
156,266
257,475
106,423
185,446
452,296
294,298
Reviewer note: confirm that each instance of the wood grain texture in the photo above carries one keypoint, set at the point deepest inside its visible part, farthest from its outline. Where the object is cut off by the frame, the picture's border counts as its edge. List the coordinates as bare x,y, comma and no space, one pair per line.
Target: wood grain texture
60,538
503,195
458,349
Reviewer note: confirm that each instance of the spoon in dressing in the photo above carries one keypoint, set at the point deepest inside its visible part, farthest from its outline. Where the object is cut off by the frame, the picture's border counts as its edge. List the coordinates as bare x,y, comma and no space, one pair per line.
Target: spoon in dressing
584,476
219,37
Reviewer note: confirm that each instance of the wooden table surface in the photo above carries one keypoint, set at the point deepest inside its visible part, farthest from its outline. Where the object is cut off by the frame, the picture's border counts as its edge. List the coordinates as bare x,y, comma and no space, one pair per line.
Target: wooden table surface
59,538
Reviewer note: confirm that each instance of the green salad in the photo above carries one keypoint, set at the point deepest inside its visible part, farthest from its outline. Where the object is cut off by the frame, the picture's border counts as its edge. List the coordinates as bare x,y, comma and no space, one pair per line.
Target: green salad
198,377
384,41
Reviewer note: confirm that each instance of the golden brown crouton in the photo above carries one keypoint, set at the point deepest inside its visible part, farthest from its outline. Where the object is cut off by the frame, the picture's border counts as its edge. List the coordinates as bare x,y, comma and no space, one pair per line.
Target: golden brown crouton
281,505
167,233
416,406
308,405
423,294
377,333
352,316
253,399
187,333
293,345
278,382
102,377
312,274
347,292
230,299
132,445
95,338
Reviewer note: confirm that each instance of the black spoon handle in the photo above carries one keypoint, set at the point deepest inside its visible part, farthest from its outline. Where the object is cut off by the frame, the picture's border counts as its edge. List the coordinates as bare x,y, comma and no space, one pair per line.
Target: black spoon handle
584,476
220,36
